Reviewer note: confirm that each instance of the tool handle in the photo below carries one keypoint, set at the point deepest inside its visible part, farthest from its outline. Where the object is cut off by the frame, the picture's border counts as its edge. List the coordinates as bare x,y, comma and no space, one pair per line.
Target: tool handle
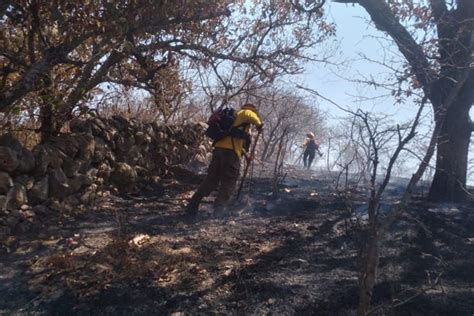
252,153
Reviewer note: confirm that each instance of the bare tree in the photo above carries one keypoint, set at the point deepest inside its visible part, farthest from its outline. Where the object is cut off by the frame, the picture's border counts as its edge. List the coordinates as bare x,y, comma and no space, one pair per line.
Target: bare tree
378,136
440,63
286,114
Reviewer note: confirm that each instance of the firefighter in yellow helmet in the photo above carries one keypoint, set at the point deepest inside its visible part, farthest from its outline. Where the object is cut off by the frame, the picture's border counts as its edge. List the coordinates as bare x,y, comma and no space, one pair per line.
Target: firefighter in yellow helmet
223,171
311,146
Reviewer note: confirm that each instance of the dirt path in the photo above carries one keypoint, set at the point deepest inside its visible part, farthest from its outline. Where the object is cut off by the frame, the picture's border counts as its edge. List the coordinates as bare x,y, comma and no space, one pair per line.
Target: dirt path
138,254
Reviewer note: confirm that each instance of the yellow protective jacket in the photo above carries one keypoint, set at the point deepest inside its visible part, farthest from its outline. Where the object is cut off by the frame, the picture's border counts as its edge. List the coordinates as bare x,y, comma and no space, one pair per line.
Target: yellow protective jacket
244,116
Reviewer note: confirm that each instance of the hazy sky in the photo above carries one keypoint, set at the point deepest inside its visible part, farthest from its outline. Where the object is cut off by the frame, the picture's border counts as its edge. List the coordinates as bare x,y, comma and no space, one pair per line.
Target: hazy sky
356,36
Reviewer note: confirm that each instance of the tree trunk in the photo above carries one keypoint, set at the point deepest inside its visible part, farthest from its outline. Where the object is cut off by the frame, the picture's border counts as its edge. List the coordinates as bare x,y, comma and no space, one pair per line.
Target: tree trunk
266,145
449,182
47,115
47,128
370,262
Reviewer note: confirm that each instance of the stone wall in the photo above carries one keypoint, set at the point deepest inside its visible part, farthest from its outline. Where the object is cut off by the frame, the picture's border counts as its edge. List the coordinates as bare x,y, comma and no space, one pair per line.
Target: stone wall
71,168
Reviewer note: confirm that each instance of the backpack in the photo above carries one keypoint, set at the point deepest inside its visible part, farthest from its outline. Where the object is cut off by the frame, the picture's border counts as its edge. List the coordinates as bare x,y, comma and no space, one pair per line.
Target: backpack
312,146
220,125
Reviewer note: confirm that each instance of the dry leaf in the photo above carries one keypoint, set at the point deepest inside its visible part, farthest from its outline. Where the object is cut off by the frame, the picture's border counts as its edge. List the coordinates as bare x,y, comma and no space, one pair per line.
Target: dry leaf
139,240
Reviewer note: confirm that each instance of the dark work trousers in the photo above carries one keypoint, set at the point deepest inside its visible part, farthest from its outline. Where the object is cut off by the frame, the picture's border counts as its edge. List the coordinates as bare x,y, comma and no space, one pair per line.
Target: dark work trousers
222,175
308,158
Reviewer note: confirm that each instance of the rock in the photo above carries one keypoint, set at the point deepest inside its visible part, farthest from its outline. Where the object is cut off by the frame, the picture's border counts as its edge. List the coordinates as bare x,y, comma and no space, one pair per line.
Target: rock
66,206
55,205
129,142
101,150
27,161
142,172
81,251
16,197
56,158
77,182
181,172
93,187
48,157
104,171
161,137
96,126
23,227
92,173
8,159
99,180
88,198
78,125
141,138
10,141
40,190
3,203
28,214
42,159
6,182
119,142
71,200
134,156
124,174
229,272
99,123
25,180
86,146
120,122
58,184
68,144
85,166
5,231
71,166
41,210
13,219
139,240
111,158
198,166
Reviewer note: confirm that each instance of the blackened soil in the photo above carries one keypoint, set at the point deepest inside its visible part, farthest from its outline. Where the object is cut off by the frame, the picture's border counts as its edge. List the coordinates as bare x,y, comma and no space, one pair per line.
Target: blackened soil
294,253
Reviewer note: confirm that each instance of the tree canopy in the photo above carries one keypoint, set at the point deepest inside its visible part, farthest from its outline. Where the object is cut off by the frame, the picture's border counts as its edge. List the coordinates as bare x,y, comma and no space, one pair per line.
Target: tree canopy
55,54
436,39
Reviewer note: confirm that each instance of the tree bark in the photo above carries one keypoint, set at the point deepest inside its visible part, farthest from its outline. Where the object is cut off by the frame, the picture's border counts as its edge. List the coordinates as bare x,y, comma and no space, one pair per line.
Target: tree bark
47,116
368,274
455,33
48,126
449,182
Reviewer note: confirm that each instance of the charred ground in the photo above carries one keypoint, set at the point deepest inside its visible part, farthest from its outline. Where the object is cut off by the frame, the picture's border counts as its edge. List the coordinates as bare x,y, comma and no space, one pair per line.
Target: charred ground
136,253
